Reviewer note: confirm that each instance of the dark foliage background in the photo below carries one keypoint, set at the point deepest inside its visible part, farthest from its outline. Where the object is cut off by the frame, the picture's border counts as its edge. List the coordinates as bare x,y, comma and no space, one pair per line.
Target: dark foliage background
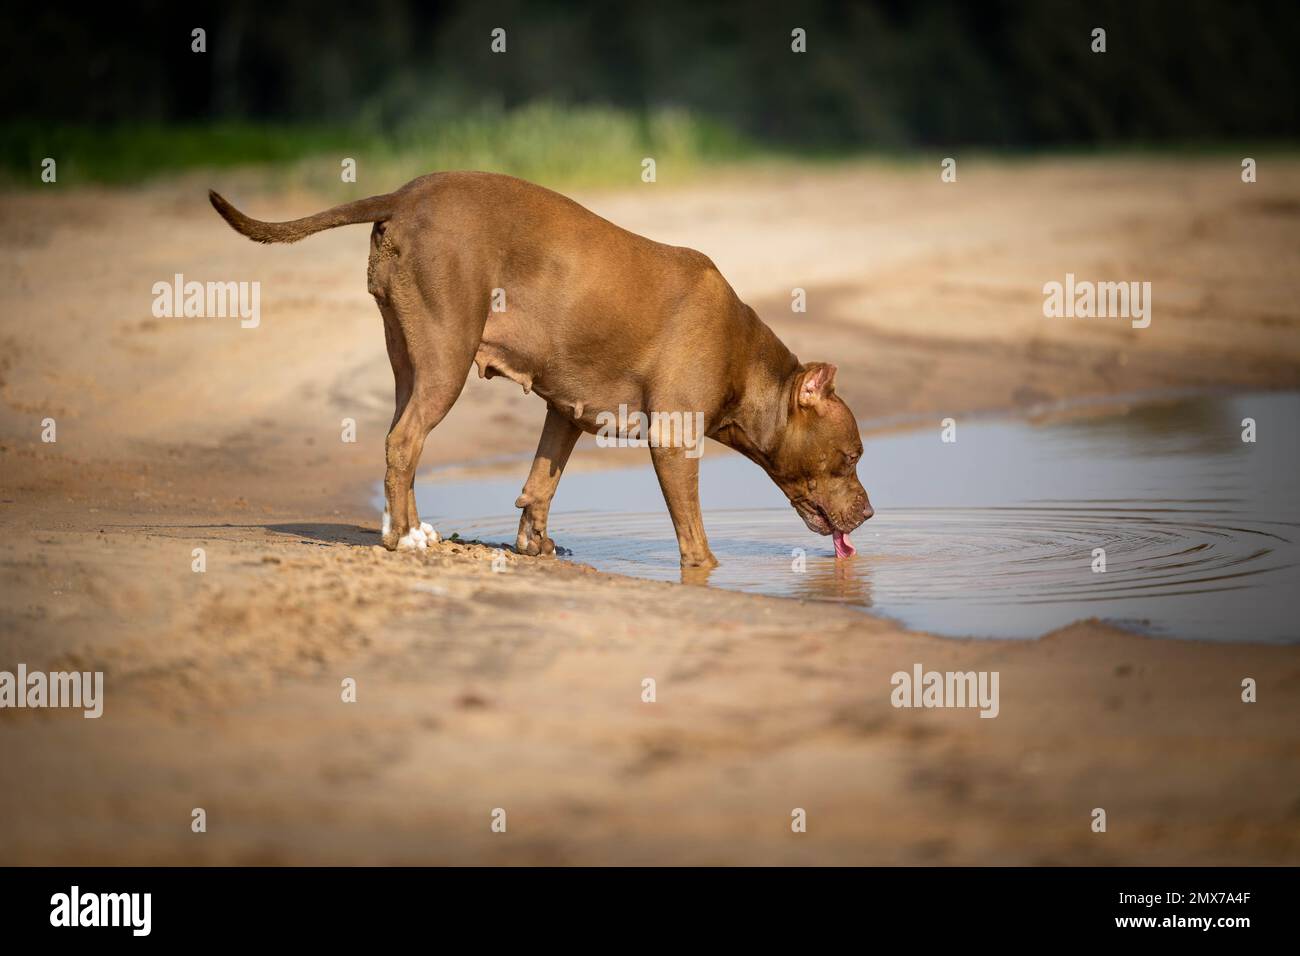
877,74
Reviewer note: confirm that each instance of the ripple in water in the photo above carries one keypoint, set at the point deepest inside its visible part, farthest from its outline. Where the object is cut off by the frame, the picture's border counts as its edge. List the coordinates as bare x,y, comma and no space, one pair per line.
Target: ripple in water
993,535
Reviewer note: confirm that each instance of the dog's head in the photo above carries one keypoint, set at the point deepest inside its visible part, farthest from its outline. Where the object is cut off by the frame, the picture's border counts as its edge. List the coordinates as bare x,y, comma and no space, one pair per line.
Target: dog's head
816,458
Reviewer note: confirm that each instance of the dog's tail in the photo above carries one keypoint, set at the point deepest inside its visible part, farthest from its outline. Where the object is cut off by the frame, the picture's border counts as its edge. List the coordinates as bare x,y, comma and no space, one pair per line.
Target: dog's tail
374,209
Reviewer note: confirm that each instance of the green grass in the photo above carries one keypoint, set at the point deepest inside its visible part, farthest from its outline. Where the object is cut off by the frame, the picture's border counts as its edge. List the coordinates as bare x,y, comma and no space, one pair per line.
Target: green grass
560,146
540,142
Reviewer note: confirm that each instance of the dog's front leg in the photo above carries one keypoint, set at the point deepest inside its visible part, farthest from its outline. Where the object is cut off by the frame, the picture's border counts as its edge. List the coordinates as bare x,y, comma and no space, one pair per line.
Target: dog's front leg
679,478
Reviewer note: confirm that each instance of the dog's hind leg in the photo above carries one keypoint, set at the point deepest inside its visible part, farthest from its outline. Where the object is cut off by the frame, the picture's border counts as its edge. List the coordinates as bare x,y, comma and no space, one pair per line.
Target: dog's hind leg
559,435
438,343
413,517
403,379
403,382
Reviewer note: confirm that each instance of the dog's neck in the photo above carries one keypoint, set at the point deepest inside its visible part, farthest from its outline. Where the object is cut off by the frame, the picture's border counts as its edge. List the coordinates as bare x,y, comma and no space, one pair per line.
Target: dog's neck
754,419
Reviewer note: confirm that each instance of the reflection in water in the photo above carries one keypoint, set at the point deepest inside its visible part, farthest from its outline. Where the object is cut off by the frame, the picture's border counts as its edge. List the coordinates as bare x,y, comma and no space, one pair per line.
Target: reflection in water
696,576
848,581
992,535
1200,425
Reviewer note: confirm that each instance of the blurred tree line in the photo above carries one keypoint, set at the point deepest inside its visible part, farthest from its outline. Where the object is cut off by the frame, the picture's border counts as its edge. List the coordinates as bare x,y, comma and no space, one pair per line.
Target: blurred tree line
885,74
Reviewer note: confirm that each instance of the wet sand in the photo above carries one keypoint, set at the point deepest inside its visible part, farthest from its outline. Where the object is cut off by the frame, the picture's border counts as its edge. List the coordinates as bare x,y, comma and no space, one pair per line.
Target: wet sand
522,690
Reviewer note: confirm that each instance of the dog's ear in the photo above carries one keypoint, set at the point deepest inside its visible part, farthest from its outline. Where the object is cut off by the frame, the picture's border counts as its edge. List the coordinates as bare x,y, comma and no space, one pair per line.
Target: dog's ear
814,384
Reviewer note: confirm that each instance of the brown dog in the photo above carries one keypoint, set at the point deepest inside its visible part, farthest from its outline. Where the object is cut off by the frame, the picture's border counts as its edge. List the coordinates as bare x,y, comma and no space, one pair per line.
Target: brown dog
477,267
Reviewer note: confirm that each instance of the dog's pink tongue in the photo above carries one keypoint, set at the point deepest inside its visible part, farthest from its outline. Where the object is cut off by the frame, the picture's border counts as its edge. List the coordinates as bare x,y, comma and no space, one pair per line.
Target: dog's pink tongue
843,546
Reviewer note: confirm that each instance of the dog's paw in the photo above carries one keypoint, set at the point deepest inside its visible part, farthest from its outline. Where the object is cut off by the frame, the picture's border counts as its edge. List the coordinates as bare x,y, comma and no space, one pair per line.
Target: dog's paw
414,540
429,533
387,527
534,545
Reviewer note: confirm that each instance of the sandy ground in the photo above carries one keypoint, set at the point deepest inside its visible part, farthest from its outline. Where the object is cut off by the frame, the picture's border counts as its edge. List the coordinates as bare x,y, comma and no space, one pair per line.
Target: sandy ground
522,690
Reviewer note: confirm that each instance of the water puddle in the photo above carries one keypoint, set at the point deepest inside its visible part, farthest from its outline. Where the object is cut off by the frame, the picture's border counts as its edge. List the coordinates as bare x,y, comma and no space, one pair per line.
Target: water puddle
992,535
